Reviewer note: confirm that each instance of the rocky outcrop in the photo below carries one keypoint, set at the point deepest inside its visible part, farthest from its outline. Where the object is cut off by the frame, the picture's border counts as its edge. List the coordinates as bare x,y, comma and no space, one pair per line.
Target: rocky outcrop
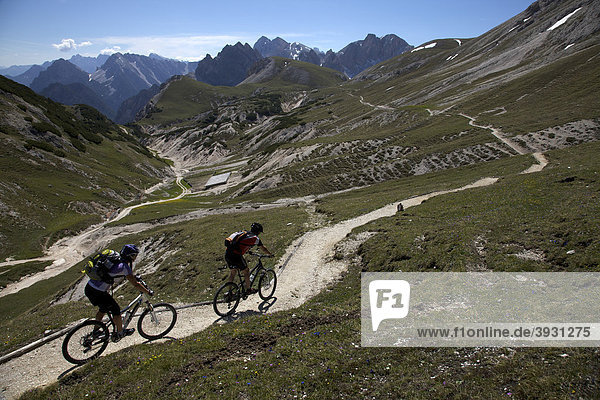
229,67
360,55
280,48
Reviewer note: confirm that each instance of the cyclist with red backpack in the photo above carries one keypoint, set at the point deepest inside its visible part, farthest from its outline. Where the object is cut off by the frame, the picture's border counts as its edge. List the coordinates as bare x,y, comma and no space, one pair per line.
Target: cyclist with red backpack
238,244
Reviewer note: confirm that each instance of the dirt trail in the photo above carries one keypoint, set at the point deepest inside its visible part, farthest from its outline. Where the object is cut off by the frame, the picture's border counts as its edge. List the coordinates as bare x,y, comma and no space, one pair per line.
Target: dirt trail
540,158
306,269
498,134
542,162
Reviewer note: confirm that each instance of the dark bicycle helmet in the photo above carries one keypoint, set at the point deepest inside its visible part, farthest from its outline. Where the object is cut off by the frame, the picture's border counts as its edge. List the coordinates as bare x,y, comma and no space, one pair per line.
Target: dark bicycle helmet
129,251
256,228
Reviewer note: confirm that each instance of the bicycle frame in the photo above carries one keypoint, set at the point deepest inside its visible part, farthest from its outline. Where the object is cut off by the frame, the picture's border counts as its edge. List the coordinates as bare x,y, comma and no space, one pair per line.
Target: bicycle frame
129,312
253,273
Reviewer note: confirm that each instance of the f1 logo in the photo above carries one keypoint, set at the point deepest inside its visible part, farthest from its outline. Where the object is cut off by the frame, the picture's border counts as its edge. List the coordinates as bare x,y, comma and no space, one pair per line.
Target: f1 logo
389,299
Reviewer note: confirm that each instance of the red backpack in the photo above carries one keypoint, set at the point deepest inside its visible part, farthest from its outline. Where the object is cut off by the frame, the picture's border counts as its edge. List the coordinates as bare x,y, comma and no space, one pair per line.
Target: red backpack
233,240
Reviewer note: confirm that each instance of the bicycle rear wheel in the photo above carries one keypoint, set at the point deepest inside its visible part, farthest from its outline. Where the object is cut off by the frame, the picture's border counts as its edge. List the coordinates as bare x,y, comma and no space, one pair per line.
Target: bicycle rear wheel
85,342
267,284
227,299
157,320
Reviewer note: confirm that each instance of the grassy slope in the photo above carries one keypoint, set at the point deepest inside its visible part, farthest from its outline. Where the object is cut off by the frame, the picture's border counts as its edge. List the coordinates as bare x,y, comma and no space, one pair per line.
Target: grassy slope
88,156
186,97
553,95
313,350
57,190
562,92
301,74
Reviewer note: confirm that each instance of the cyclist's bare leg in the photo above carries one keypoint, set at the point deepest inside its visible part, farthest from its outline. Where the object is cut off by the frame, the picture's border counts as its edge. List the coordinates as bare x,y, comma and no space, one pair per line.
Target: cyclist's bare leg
232,272
100,315
116,319
246,273
118,323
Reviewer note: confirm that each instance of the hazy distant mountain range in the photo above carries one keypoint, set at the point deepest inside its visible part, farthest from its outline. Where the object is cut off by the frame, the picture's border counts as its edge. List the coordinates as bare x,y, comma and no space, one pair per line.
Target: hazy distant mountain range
107,82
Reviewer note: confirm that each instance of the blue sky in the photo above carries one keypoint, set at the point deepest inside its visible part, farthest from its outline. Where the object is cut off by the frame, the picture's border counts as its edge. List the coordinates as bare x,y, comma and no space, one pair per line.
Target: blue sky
34,31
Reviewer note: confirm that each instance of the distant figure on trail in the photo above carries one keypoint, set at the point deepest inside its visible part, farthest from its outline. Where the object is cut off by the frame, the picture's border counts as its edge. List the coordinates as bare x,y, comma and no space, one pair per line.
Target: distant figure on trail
97,290
238,244
400,207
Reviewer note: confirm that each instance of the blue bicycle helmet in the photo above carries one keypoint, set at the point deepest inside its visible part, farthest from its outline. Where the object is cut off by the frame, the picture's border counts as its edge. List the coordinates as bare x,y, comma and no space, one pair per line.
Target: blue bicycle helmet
129,251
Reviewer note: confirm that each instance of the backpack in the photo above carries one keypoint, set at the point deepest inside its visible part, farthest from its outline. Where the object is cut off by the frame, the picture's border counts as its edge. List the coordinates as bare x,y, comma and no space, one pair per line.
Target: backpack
98,265
232,241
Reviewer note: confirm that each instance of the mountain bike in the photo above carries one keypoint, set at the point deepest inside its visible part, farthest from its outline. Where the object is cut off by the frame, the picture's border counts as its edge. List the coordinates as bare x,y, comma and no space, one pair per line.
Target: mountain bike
229,295
89,339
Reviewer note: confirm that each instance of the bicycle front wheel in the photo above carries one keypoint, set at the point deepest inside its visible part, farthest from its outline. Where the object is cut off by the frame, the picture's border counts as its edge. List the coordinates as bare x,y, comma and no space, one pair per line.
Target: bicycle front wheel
227,299
157,320
267,284
85,342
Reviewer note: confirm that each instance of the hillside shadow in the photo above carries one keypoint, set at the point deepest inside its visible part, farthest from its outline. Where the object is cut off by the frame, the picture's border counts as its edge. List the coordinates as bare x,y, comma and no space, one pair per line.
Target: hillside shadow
68,371
166,338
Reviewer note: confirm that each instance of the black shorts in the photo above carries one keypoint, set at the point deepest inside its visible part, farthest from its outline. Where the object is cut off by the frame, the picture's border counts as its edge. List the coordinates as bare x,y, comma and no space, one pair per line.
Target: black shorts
102,300
235,261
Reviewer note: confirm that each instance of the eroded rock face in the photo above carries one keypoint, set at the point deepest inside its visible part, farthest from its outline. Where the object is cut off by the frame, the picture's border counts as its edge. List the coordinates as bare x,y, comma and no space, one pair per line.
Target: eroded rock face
360,55
229,67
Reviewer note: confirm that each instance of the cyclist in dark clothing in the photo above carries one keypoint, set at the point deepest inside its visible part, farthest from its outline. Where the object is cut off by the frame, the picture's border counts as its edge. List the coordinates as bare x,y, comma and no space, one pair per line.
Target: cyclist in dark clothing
234,255
97,291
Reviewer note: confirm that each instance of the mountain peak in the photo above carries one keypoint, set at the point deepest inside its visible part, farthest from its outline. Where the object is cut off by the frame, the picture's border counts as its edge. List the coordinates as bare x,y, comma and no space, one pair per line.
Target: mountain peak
155,56
362,54
229,67
60,71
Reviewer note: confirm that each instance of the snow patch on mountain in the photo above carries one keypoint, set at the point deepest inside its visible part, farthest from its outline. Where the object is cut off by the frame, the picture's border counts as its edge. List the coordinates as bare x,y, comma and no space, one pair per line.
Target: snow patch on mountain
563,20
427,46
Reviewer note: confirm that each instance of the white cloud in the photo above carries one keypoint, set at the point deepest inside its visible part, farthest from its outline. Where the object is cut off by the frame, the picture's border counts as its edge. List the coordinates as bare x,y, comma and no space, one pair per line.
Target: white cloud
179,47
112,50
69,45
